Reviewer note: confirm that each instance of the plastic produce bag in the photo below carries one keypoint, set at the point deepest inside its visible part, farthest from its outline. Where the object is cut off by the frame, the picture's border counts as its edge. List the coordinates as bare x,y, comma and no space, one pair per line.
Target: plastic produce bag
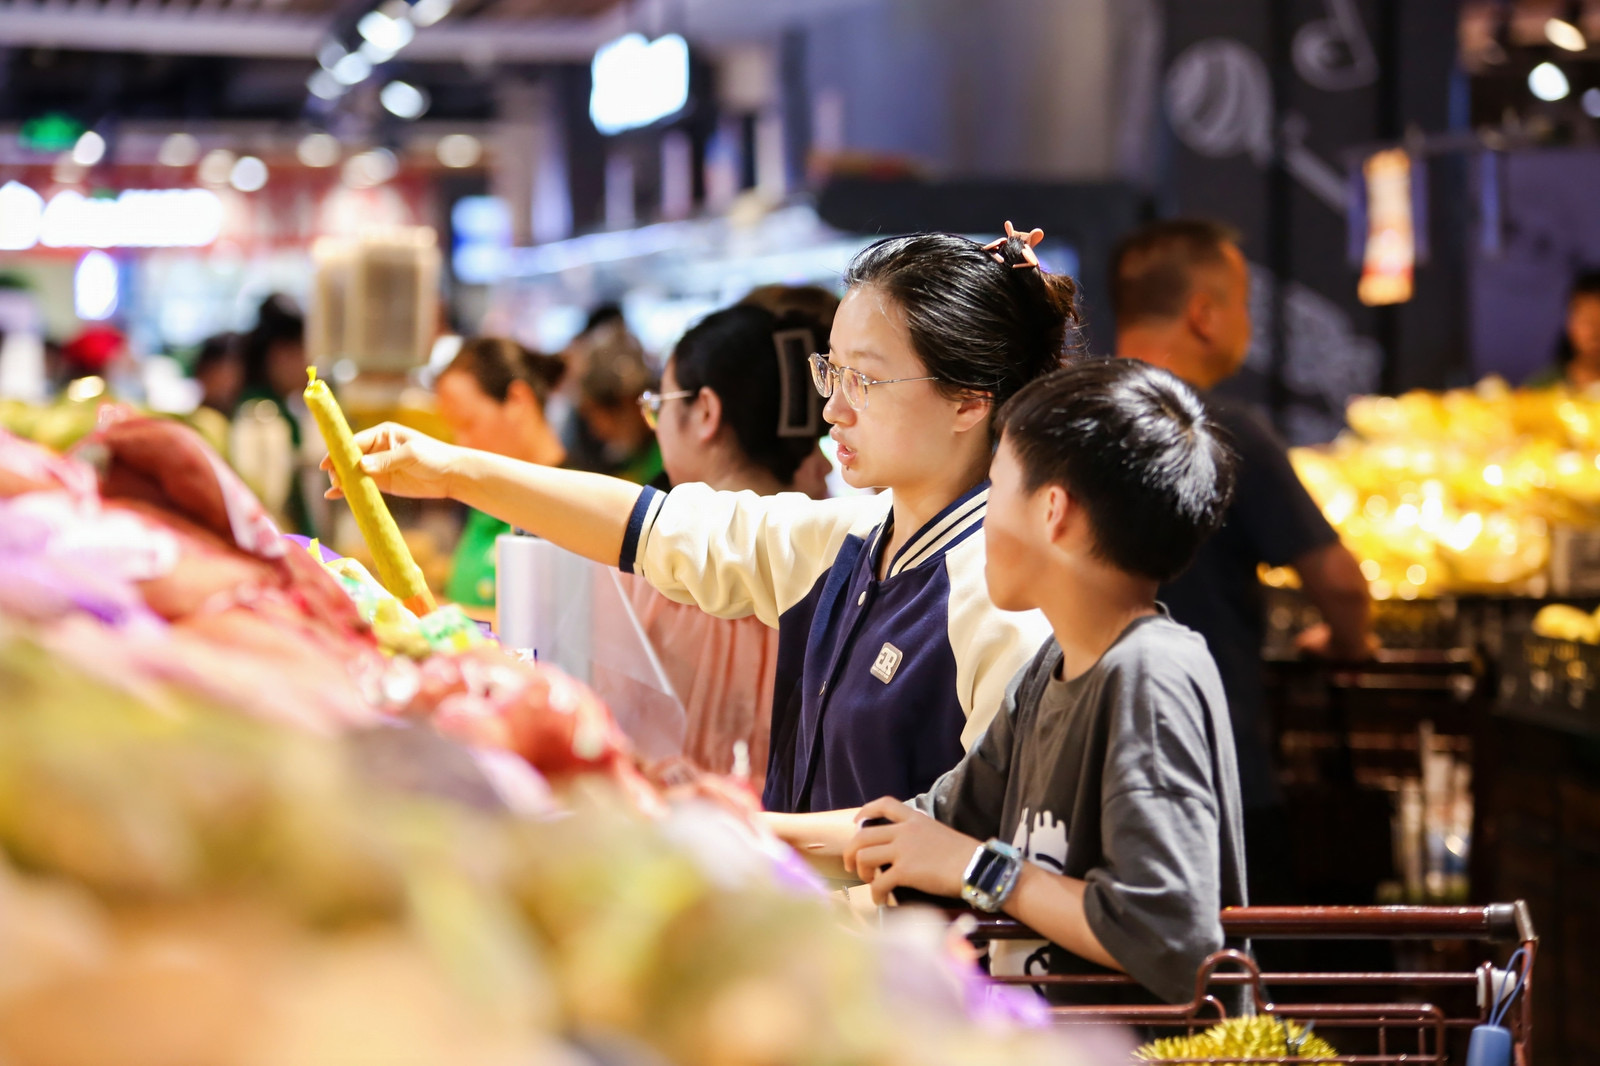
576,615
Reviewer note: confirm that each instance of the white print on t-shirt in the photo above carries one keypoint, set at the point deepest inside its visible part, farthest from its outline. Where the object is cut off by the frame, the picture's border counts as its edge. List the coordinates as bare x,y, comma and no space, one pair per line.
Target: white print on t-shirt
1042,839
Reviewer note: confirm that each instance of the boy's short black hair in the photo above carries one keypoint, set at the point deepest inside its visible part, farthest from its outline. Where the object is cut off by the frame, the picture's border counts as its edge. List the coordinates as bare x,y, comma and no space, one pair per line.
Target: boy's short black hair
1136,448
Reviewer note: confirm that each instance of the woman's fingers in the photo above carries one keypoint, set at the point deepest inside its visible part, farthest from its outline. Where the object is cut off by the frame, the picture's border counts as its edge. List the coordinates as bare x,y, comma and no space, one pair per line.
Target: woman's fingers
381,437
378,463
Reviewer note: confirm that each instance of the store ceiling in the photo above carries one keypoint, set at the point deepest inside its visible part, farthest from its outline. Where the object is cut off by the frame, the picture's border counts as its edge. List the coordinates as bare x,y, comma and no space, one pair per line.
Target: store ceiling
510,30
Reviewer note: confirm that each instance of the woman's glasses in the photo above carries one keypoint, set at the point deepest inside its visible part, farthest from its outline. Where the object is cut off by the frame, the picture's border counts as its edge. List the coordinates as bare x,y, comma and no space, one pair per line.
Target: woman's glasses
850,382
650,404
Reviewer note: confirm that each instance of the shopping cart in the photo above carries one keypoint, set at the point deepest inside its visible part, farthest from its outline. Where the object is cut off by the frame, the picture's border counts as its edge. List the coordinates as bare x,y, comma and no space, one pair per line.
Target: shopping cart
1413,1017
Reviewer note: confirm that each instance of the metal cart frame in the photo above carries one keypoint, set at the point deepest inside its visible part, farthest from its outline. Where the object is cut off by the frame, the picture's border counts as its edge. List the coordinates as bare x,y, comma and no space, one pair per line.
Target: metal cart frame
1412,1029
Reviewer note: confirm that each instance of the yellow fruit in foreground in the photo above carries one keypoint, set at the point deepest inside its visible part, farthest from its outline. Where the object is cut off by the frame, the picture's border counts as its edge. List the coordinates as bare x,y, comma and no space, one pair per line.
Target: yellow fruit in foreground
1558,621
1261,1037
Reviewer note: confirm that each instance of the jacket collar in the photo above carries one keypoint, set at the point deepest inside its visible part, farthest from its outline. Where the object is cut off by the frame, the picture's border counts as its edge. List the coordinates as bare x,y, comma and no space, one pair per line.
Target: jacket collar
941,533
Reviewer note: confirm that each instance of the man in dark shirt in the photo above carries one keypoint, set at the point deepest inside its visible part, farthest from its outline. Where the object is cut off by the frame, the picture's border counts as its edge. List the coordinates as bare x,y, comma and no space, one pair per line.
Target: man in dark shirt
1181,291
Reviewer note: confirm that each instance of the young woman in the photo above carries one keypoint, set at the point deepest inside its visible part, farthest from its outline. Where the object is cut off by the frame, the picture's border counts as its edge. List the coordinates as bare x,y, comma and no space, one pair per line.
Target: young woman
608,434
891,656
721,416
1578,353
492,396
721,420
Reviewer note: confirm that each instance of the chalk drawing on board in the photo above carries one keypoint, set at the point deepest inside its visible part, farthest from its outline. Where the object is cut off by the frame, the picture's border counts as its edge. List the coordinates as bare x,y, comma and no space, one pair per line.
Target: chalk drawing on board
1219,101
1325,359
1335,53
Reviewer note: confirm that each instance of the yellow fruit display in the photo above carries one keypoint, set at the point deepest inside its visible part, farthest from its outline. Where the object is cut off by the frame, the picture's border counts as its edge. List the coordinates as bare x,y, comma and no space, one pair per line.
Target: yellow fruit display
1455,492
1558,621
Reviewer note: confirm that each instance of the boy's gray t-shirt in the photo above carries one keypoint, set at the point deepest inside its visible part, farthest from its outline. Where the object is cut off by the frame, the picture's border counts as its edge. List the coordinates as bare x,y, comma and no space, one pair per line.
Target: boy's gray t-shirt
1124,777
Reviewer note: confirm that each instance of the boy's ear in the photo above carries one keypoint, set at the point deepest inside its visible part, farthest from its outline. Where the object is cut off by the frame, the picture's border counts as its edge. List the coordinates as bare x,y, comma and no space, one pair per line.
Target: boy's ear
1058,506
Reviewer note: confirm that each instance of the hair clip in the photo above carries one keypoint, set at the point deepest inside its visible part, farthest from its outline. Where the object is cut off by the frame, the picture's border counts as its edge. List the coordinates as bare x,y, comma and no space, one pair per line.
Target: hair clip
1031,238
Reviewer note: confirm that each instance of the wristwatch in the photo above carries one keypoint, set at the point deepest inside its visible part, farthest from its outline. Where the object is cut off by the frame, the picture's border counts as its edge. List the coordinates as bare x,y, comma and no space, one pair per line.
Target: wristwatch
991,875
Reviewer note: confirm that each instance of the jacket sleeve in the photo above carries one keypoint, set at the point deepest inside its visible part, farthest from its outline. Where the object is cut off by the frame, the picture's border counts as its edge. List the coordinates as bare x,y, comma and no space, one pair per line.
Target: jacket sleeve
735,554
990,645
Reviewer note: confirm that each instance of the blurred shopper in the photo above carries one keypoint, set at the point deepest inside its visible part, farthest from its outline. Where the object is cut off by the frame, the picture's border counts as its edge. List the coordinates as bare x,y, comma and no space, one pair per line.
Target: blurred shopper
275,352
1578,353
610,435
720,418
274,355
219,370
1181,291
813,300
492,395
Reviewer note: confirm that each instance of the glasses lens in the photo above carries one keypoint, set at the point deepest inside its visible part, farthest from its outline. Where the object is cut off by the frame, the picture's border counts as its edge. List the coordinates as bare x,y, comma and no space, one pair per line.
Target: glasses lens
854,386
820,374
650,407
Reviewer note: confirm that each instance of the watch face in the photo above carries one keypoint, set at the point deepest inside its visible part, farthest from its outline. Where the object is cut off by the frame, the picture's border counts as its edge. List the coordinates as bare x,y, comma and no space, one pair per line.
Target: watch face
990,876
990,871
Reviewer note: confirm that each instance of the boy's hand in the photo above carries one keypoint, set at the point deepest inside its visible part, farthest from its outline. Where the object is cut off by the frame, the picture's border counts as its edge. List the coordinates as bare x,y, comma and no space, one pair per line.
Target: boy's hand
918,851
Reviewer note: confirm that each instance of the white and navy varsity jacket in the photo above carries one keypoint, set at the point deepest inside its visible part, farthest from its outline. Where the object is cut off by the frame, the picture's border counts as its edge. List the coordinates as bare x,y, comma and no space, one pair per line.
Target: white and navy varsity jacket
881,685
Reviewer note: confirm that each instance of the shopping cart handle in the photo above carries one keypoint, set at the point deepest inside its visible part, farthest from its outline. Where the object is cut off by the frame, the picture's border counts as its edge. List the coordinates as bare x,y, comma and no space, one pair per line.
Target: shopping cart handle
1504,922
1494,921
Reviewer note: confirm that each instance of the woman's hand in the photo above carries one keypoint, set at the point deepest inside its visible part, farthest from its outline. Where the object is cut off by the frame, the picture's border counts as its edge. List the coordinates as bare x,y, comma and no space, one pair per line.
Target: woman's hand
403,462
913,851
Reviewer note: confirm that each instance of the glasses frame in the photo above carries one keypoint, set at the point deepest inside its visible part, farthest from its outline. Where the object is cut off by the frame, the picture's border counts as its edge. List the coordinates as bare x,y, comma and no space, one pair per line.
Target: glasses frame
828,376
650,404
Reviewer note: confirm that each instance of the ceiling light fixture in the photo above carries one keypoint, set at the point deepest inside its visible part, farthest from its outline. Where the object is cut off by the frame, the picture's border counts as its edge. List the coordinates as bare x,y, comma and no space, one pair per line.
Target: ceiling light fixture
352,69
1548,83
370,168
1565,34
330,53
249,174
404,100
178,150
458,150
427,12
217,167
318,150
325,86
385,33
636,82
90,149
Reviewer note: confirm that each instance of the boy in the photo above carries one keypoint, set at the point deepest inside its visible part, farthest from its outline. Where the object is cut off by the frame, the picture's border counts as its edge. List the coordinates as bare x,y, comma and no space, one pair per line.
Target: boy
1101,807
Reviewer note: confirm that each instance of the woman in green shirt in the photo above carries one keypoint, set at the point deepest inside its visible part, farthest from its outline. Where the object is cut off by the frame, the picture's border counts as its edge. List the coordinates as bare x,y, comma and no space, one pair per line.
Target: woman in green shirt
492,395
